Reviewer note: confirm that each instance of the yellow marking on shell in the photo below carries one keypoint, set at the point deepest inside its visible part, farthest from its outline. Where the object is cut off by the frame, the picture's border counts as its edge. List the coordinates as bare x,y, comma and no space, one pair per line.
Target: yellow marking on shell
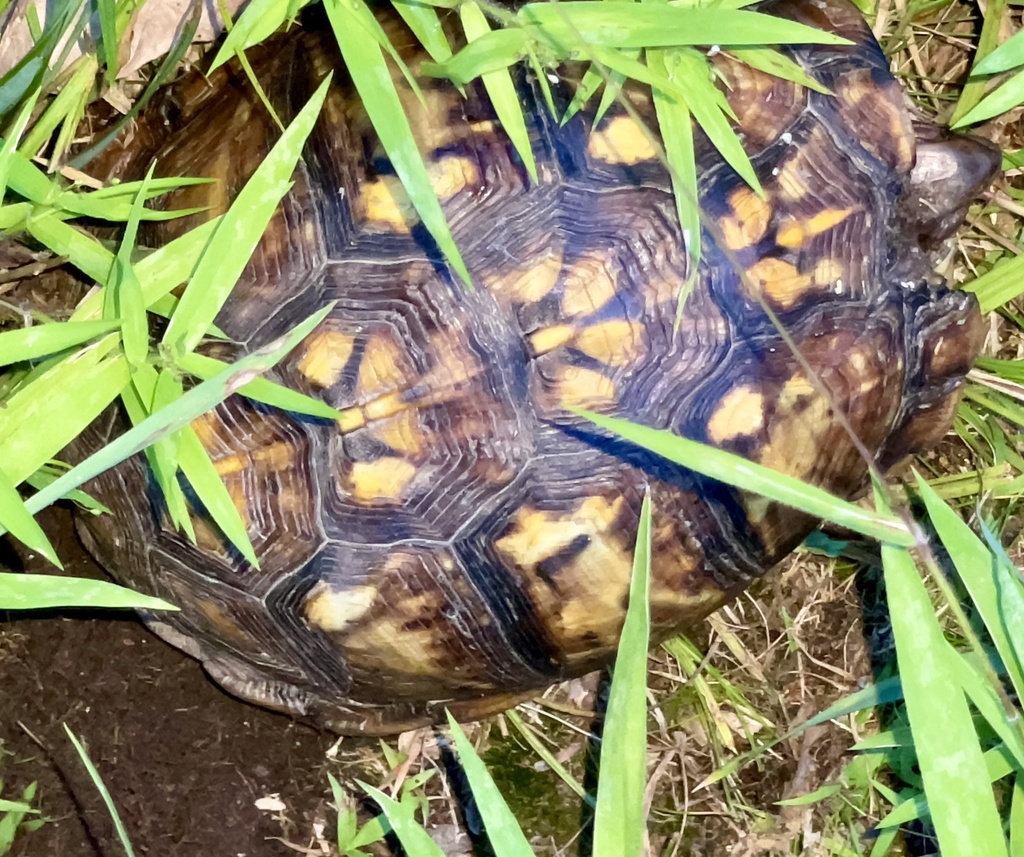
828,271
384,479
350,419
747,222
324,356
452,174
384,205
779,281
334,610
380,368
795,439
793,233
797,387
385,406
588,286
740,413
264,459
791,182
622,141
402,433
614,343
530,285
885,106
591,586
585,388
549,338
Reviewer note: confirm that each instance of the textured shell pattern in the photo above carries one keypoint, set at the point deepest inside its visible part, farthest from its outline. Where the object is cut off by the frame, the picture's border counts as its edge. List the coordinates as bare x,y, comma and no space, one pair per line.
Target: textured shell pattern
458,537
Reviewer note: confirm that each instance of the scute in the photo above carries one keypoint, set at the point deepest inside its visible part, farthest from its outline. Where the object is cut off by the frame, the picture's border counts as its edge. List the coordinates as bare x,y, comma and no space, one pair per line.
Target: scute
458,537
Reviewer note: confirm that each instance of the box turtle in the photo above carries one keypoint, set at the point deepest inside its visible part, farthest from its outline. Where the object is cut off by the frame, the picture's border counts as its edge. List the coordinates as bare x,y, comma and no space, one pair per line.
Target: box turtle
458,538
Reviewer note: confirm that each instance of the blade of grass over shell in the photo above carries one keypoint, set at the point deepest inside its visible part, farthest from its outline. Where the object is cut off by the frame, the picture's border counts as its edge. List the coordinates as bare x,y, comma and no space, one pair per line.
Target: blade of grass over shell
159,272
950,758
756,478
124,292
503,831
501,89
619,816
426,26
772,62
31,343
624,24
199,470
674,120
51,591
258,21
991,580
46,415
197,401
239,231
259,389
101,787
492,51
415,840
18,521
371,77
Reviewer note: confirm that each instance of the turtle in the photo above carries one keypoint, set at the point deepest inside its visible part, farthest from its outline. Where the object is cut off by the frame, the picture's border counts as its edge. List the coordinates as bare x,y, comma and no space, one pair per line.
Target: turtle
460,537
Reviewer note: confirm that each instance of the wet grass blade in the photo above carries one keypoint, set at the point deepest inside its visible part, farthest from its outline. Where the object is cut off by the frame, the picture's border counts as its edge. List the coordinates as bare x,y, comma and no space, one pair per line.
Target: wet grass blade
503,831
994,585
199,470
31,343
53,592
624,24
952,766
756,478
619,817
239,231
18,521
501,90
371,77
415,840
260,389
426,26
101,787
197,401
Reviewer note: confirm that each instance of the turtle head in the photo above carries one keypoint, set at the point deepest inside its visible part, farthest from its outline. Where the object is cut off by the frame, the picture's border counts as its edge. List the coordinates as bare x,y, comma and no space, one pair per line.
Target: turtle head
949,172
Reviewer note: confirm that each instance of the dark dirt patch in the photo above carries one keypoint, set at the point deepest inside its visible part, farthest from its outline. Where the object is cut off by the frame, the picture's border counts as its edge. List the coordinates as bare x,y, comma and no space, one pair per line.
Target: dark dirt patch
184,762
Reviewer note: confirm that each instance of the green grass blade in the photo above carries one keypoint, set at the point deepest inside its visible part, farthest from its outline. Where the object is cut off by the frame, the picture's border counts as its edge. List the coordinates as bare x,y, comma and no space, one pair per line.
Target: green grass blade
1009,54
772,62
677,137
501,90
1017,818
619,817
373,81
549,758
503,831
256,23
18,521
952,766
1005,97
31,343
492,51
46,415
202,475
101,787
994,586
260,389
197,401
415,840
108,37
239,232
426,26
624,24
748,475
125,292
50,592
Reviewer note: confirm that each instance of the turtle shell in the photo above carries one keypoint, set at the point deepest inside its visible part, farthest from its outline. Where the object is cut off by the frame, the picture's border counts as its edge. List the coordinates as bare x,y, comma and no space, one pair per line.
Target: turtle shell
457,537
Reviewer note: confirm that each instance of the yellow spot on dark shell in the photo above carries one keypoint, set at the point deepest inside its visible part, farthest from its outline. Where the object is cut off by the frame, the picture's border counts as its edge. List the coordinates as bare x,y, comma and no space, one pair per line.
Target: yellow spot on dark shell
793,233
622,141
584,388
549,338
747,222
385,206
588,286
334,610
779,282
614,343
265,459
324,355
381,367
740,413
382,480
527,286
